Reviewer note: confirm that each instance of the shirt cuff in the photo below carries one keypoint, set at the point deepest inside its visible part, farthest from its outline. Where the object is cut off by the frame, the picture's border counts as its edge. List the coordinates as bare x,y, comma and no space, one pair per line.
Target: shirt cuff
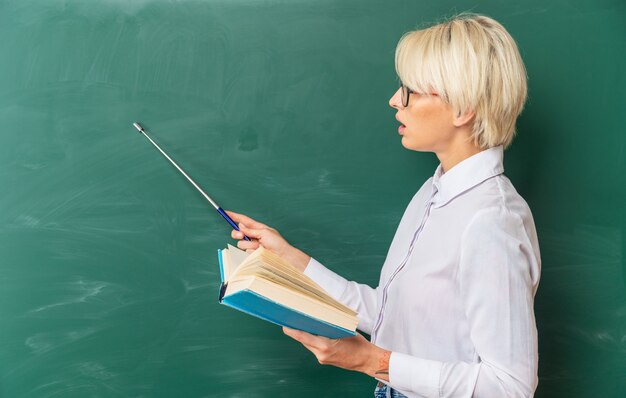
414,374
334,284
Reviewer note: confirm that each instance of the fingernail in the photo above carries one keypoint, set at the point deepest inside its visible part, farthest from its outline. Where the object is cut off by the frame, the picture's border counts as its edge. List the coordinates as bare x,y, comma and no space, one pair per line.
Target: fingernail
242,225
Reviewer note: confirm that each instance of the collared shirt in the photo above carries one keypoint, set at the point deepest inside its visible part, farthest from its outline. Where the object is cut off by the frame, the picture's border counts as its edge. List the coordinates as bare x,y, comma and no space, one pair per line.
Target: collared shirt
455,298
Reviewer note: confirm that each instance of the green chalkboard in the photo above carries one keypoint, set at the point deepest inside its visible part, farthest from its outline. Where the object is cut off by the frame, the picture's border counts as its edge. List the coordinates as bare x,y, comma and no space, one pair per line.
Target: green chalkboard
108,270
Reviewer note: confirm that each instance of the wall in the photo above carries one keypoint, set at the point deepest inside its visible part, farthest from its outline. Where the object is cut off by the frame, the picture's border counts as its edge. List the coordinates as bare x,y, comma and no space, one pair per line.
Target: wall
108,269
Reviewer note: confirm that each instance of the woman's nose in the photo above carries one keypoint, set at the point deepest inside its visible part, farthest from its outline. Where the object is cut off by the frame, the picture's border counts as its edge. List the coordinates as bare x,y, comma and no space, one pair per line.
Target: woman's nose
394,101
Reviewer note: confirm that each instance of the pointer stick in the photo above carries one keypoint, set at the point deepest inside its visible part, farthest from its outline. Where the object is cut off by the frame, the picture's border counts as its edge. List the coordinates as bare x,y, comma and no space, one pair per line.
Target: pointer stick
219,209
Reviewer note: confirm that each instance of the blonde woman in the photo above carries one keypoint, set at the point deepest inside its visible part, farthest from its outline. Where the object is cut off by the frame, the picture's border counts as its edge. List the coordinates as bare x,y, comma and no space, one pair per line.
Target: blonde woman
452,315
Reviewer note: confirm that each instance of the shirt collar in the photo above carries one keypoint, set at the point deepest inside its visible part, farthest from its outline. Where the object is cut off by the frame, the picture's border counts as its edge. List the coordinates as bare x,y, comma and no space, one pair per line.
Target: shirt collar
466,175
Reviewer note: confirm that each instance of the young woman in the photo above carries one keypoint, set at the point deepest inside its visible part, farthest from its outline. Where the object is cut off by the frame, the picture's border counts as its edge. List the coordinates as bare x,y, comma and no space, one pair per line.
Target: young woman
453,314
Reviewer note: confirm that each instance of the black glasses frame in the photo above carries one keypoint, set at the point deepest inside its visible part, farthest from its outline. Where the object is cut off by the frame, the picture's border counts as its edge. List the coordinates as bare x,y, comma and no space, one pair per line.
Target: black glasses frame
405,91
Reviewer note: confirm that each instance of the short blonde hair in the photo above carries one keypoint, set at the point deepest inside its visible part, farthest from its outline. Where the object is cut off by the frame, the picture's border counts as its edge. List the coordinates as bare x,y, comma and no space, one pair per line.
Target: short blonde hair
473,64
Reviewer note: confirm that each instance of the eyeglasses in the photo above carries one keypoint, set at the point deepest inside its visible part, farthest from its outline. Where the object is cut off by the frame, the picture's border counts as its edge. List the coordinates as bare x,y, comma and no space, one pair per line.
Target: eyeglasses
405,91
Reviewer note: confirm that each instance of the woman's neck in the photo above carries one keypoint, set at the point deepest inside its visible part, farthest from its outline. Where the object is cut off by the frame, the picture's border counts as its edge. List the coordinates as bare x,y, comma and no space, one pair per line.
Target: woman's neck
455,154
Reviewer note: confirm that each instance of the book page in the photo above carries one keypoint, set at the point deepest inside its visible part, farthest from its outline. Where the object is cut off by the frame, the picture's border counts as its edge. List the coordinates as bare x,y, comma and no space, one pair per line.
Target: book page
291,284
294,300
232,258
270,266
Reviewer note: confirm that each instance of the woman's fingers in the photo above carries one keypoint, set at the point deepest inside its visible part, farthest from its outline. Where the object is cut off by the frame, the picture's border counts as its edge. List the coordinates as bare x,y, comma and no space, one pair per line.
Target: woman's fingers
236,234
261,235
245,245
311,341
251,232
245,219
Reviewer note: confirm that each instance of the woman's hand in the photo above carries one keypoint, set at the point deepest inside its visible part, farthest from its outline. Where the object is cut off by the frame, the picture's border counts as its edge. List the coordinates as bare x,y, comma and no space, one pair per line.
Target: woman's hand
262,235
352,353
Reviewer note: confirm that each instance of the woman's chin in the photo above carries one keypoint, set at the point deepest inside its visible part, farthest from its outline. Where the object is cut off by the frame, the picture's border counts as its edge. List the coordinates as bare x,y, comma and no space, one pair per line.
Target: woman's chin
412,146
406,143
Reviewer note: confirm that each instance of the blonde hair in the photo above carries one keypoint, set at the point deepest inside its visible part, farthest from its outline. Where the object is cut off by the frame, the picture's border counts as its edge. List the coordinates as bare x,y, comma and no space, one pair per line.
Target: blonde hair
473,64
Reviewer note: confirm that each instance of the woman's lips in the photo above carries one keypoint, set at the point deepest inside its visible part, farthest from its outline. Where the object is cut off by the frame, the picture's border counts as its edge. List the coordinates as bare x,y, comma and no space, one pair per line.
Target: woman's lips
402,126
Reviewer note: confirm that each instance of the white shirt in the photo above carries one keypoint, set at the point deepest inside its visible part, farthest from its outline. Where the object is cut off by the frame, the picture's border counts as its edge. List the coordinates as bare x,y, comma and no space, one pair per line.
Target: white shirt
455,298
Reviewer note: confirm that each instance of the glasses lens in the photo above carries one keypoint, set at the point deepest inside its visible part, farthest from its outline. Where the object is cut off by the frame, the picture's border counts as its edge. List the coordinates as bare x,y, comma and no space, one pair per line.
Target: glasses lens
405,95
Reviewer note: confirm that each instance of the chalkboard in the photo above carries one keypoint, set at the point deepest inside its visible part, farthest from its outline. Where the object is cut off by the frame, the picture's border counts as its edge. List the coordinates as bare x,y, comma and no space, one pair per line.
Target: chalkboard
108,268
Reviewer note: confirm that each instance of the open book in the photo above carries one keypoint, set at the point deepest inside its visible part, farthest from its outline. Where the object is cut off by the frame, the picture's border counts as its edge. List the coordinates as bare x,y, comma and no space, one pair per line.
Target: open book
264,285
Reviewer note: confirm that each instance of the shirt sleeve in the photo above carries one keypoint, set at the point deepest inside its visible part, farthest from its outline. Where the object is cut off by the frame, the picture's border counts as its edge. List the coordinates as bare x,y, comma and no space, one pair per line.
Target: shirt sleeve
359,297
498,278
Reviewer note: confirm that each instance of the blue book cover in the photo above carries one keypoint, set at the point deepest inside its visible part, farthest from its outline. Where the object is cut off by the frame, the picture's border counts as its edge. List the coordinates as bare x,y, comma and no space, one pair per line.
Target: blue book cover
261,307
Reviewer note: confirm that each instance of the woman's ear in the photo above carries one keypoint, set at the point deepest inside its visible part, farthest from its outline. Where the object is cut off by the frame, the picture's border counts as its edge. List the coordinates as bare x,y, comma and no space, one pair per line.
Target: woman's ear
462,119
